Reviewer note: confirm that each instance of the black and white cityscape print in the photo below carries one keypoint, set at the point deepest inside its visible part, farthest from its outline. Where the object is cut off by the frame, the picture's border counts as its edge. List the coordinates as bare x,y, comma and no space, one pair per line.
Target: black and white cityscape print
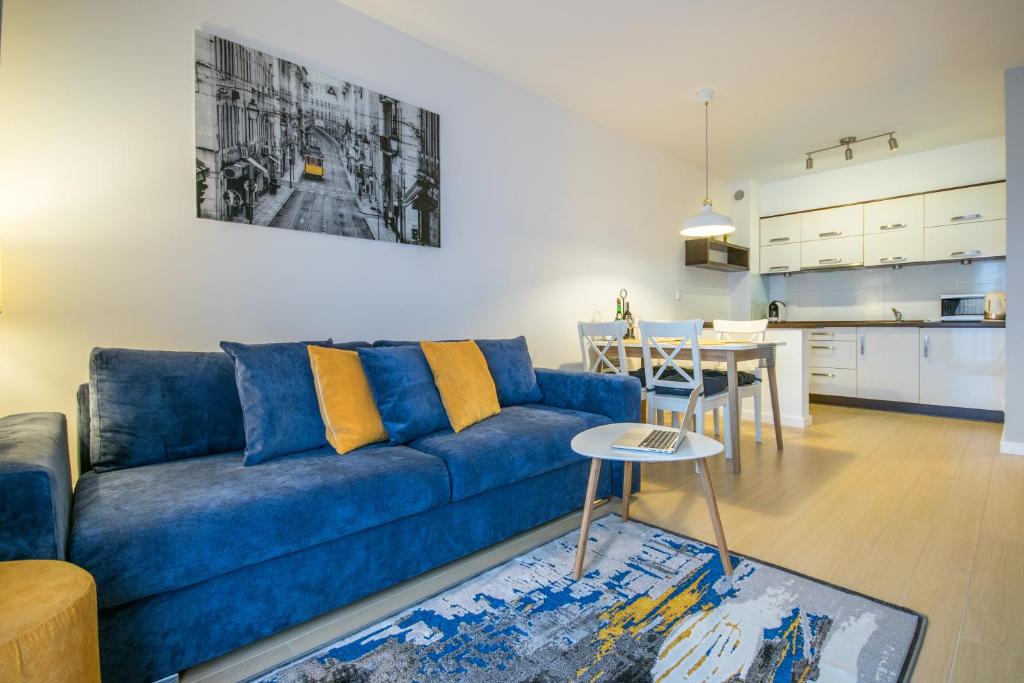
282,145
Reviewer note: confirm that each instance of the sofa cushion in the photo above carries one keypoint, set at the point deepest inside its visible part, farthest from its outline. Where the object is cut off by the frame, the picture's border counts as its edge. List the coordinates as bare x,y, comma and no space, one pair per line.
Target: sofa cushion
463,380
403,387
279,406
512,369
147,530
153,406
518,443
347,407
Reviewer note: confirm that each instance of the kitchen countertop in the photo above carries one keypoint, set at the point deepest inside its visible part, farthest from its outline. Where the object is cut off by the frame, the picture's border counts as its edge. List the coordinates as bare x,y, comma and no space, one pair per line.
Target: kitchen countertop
805,324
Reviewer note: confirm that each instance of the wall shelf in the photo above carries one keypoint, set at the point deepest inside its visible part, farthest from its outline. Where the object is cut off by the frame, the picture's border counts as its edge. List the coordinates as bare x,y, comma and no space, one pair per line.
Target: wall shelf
716,254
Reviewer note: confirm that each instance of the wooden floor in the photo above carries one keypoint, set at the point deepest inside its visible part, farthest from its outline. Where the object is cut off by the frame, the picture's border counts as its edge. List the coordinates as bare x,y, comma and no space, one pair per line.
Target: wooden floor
919,511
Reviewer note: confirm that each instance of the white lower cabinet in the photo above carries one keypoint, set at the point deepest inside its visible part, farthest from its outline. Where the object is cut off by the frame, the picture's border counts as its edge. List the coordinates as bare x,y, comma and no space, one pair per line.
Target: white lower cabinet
962,367
833,382
887,364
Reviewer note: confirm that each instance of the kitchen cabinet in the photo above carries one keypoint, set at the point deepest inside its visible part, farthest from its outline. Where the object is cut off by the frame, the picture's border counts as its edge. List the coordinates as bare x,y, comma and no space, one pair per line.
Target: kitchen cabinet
780,230
840,222
833,354
962,367
965,205
833,382
969,240
832,253
887,363
781,258
891,248
892,215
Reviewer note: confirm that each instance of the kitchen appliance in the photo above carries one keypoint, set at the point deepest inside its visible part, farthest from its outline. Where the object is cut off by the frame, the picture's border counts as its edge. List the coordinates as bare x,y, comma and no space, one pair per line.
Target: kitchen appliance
995,306
963,307
776,312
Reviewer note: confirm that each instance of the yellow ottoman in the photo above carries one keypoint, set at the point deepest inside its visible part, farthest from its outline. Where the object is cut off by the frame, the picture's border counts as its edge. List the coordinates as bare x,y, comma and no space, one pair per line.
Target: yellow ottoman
47,622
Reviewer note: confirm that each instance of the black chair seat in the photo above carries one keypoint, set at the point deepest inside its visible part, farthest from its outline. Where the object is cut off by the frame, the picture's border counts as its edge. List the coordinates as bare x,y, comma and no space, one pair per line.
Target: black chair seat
715,381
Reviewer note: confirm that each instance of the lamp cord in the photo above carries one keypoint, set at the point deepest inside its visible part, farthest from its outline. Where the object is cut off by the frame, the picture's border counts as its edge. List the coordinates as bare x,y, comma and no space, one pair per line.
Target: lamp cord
707,168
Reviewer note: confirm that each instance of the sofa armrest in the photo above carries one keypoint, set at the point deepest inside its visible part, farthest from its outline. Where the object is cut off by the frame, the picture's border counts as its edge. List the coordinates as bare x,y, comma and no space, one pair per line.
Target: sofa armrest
617,397
35,486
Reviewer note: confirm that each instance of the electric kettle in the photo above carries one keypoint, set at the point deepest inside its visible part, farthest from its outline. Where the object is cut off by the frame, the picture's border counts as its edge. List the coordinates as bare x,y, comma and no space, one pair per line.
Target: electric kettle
995,306
776,312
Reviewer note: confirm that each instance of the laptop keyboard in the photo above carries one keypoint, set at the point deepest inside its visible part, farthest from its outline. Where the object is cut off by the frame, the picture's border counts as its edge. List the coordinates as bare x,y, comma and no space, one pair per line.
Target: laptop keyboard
659,440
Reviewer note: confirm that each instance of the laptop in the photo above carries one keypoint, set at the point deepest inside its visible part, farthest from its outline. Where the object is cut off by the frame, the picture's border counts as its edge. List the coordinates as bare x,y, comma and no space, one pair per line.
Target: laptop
659,439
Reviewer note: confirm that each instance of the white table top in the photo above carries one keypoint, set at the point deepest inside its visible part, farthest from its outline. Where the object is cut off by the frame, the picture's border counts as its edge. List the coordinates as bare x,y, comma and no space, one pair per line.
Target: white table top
712,344
597,443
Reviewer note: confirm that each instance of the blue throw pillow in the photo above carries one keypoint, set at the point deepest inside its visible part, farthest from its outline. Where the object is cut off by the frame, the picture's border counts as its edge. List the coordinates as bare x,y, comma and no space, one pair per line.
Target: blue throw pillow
279,404
512,370
404,390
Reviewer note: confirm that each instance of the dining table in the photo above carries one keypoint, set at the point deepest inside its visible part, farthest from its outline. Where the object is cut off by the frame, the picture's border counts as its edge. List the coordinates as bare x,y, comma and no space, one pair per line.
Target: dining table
732,353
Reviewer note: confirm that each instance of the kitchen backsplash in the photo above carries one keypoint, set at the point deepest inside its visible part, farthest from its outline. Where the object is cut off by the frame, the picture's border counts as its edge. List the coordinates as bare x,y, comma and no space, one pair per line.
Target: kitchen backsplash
871,293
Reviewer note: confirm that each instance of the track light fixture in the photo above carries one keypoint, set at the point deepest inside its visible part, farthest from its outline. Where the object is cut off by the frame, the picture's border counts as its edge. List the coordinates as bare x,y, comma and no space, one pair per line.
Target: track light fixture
848,143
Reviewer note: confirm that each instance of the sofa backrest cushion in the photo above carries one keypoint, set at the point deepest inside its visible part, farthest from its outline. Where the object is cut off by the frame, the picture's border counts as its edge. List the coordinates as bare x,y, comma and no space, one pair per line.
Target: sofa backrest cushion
512,369
279,404
147,407
403,388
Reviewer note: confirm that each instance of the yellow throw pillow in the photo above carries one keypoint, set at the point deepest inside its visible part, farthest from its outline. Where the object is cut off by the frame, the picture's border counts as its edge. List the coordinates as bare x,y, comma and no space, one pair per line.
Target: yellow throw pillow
463,380
346,402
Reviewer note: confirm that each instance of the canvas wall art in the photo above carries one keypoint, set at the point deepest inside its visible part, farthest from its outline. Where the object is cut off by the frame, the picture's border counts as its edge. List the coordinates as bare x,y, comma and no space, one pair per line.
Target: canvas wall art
282,145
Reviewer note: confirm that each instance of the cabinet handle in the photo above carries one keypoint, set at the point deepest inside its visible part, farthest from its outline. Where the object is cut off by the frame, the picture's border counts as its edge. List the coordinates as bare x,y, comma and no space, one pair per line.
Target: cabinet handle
892,259
862,344
966,252
830,260
965,217
831,233
776,240
892,226
822,334
779,268
926,346
822,374
823,347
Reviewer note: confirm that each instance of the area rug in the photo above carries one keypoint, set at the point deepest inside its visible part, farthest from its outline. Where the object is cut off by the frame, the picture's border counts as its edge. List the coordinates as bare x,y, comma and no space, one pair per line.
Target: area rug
652,606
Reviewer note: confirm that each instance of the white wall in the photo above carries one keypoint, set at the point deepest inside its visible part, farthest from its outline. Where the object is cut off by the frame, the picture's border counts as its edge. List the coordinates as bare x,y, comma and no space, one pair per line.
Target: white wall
1013,434
870,294
545,216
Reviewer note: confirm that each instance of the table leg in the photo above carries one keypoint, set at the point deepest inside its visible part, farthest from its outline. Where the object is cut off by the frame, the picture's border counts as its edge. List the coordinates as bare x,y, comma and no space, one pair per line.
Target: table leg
627,484
716,521
773,391
588,509
734,412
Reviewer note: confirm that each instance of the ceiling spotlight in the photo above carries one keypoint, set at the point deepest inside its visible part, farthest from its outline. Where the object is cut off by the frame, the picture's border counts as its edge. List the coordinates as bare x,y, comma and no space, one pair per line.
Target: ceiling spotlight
810,163
846,144
848,153
893,145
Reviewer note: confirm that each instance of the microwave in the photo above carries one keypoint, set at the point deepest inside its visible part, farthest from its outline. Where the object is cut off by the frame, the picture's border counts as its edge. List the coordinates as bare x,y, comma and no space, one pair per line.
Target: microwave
963,307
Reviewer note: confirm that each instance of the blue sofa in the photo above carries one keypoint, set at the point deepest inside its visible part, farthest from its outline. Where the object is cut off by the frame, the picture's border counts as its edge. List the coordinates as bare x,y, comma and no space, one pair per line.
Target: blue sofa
197,555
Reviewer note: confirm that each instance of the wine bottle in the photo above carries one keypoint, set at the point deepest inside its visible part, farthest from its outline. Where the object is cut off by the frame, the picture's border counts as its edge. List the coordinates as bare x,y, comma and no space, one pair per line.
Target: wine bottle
618,308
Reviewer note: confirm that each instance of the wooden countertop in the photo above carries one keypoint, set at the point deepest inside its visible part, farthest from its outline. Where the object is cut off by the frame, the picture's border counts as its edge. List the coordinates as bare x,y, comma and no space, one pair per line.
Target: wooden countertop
810,324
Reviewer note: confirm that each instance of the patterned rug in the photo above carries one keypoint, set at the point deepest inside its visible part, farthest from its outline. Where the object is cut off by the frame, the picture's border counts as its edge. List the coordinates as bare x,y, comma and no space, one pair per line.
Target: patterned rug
652,606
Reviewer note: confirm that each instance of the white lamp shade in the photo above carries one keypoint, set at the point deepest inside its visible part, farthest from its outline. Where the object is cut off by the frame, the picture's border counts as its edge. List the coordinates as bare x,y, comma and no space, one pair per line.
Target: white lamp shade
707,223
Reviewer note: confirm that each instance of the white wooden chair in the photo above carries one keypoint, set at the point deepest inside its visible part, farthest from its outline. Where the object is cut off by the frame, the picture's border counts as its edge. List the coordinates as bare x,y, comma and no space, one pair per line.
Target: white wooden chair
598,341
748,331
669,384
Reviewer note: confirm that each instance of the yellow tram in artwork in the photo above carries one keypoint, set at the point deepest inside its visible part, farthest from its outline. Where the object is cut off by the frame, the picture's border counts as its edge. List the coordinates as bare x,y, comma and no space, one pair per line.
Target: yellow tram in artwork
313,163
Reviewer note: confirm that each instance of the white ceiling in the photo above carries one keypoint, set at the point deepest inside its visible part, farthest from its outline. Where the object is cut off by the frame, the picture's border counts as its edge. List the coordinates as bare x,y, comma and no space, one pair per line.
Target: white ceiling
789,75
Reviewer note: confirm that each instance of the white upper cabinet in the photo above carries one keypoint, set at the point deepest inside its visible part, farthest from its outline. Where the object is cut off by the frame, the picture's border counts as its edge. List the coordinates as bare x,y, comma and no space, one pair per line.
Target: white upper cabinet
843,221
893,248
894,215
780,230
781,258
966,205
832,253
974,240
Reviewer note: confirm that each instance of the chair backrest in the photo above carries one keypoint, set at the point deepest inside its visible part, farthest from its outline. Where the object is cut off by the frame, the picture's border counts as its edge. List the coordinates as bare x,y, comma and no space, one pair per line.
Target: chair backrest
597,340
741,330
662,342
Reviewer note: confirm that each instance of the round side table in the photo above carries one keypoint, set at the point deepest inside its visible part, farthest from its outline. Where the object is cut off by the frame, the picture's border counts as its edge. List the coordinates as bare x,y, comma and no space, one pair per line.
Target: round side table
48,630
596,444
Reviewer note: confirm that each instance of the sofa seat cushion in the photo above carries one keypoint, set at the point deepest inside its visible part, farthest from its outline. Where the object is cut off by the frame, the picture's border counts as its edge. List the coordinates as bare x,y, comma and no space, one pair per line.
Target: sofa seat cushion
520,442
147,530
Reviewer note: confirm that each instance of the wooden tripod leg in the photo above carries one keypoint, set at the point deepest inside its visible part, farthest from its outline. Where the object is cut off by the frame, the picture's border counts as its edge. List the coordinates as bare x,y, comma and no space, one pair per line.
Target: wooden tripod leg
627,484
588,509
716,521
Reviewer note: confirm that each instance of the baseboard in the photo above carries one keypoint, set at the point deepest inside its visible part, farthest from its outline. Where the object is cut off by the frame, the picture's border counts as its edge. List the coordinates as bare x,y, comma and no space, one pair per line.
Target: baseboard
787,420
914,408
1010,447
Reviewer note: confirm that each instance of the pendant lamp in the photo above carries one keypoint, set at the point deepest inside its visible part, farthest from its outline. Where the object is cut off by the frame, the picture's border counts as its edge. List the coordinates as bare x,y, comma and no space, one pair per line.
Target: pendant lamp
707,223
